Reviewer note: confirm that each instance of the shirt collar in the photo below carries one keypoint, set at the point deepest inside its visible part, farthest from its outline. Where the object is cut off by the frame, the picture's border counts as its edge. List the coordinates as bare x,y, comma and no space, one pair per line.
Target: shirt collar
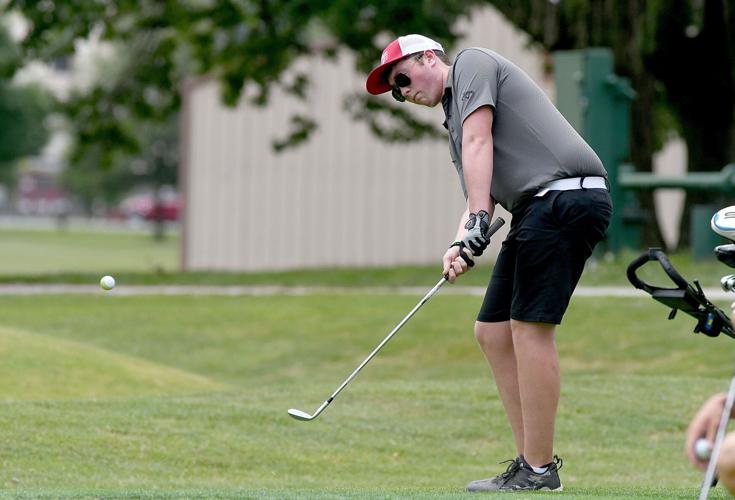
447,98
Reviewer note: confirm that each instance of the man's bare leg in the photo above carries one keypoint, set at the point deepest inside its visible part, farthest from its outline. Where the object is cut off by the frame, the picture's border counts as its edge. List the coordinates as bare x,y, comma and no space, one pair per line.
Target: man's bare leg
496,342
538,385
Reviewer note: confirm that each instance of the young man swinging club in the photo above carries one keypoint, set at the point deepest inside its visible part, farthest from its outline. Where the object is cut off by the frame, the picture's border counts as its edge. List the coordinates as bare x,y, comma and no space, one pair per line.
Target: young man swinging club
511,146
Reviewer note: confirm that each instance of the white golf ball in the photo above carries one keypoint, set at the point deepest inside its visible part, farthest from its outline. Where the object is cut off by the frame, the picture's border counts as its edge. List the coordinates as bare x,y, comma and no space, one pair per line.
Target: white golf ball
703,449
107,282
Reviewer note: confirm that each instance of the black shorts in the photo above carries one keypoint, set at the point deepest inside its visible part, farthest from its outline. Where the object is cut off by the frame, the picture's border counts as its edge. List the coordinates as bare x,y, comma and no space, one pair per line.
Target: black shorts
542,258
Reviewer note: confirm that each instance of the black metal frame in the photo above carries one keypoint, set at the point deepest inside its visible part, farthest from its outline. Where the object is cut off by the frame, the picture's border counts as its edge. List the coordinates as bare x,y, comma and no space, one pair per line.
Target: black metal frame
711,320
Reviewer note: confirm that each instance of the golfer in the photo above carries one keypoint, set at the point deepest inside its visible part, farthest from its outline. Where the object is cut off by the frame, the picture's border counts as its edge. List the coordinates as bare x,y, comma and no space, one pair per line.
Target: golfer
511,146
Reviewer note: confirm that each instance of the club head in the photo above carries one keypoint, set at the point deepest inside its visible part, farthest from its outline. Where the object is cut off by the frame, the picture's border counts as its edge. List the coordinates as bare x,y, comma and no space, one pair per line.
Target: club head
726,254
299,415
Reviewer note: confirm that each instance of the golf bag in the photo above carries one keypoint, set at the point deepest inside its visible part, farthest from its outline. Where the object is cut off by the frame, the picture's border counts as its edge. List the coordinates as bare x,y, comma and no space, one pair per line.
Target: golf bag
689,298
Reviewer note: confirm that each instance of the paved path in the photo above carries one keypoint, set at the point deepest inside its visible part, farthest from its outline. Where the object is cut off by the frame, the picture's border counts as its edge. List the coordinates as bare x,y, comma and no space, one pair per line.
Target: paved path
264,290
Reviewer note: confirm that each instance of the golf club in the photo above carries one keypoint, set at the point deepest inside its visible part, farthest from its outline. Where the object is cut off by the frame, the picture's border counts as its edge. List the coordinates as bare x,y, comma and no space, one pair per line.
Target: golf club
302,415
726,254
709,476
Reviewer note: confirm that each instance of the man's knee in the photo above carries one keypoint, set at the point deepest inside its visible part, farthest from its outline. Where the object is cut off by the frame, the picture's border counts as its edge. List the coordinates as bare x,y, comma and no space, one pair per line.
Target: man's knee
726,463
532,332
492,334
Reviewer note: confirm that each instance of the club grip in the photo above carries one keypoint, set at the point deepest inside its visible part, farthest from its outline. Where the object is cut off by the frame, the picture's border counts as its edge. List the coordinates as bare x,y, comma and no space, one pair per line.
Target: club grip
497,224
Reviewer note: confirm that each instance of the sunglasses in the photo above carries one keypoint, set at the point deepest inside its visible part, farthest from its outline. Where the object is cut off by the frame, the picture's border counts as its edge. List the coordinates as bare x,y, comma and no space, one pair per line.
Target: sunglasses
401,80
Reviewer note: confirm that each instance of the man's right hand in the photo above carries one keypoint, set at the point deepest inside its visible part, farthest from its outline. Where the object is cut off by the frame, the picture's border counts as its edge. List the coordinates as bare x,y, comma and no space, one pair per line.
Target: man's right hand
454,265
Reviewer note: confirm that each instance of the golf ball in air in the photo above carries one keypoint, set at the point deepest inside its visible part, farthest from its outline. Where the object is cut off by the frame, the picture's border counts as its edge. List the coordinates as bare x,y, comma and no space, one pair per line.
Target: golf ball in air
703,449
107,282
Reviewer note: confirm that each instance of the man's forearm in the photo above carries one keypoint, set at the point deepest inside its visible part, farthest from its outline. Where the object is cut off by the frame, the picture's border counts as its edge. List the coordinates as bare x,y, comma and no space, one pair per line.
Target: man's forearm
477,160
462,221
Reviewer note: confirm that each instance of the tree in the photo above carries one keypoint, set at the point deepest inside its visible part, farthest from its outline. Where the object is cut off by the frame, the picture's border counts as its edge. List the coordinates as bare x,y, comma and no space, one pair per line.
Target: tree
22,112
244,43
249,44
680,57
98,177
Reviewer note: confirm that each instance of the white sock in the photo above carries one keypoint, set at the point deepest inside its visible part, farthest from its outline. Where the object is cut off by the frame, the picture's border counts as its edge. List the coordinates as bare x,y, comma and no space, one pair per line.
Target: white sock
539,470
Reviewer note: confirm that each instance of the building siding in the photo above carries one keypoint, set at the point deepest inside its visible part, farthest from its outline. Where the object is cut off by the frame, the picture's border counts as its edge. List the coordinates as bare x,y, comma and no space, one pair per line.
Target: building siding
342,199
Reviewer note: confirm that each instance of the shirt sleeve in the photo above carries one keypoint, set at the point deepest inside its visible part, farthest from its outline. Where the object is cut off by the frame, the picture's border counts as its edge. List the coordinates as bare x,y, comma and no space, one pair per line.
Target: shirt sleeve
476,76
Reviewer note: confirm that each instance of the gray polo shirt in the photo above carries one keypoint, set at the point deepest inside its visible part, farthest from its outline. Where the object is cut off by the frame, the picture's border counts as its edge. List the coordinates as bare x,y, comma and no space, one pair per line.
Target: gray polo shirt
532,142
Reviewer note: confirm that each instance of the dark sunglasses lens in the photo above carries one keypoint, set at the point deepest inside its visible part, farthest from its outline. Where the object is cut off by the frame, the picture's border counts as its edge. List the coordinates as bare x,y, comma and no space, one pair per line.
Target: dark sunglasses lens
397,95
402,80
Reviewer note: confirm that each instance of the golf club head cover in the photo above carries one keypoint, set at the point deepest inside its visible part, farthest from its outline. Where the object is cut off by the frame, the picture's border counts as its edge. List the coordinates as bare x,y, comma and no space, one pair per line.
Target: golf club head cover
477,237
461,245
723,223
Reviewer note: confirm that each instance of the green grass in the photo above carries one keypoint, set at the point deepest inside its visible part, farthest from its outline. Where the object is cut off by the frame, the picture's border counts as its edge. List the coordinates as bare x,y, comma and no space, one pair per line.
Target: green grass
48,252
81,257
186,397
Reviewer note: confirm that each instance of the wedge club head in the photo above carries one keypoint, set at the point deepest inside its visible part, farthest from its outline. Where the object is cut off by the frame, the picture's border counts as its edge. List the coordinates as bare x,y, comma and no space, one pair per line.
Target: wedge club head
299,415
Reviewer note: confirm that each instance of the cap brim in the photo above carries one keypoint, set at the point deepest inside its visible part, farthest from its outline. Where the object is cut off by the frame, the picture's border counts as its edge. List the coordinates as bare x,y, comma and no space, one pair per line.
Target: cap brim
376,82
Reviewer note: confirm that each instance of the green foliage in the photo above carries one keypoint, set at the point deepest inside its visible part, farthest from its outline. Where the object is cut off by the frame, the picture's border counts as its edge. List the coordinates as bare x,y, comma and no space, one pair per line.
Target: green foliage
22,114
103,171
22,111
244,43
679,54
9,55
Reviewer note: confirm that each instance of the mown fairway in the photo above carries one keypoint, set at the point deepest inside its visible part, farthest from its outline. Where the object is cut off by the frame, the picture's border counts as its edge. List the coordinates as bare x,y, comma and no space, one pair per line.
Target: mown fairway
186,397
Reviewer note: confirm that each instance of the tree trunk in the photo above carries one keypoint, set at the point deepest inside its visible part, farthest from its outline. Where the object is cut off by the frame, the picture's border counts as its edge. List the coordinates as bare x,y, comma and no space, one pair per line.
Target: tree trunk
643,135
159,224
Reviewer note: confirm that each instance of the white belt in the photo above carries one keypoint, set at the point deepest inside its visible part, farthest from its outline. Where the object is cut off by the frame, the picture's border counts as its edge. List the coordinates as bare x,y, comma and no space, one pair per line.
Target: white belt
571,183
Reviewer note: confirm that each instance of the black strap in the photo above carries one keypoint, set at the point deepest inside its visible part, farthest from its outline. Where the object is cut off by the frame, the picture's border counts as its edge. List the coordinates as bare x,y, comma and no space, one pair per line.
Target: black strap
462,246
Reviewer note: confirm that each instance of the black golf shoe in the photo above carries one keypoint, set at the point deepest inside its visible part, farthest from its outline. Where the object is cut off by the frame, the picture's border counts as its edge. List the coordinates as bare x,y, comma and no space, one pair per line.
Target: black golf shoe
492,484
527,479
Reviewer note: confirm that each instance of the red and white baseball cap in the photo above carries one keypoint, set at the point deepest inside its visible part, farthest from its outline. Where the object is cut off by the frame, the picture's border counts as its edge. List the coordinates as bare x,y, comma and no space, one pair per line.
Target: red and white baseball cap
395,51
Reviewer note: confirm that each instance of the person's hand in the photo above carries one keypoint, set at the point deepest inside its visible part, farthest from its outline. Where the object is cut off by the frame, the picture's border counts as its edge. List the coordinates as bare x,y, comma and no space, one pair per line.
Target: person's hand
704,425
454,264
477,238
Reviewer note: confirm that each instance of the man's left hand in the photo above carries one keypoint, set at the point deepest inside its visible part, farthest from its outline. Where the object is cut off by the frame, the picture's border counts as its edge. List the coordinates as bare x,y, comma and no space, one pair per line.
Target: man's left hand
477,238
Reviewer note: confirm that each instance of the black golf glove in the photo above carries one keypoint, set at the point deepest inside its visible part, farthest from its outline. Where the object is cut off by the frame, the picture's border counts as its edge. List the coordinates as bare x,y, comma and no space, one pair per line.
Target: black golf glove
477,238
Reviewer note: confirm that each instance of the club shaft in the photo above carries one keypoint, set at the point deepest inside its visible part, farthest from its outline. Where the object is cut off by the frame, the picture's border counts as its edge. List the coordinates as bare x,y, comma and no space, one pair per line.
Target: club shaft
385,341
722,427
497,224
